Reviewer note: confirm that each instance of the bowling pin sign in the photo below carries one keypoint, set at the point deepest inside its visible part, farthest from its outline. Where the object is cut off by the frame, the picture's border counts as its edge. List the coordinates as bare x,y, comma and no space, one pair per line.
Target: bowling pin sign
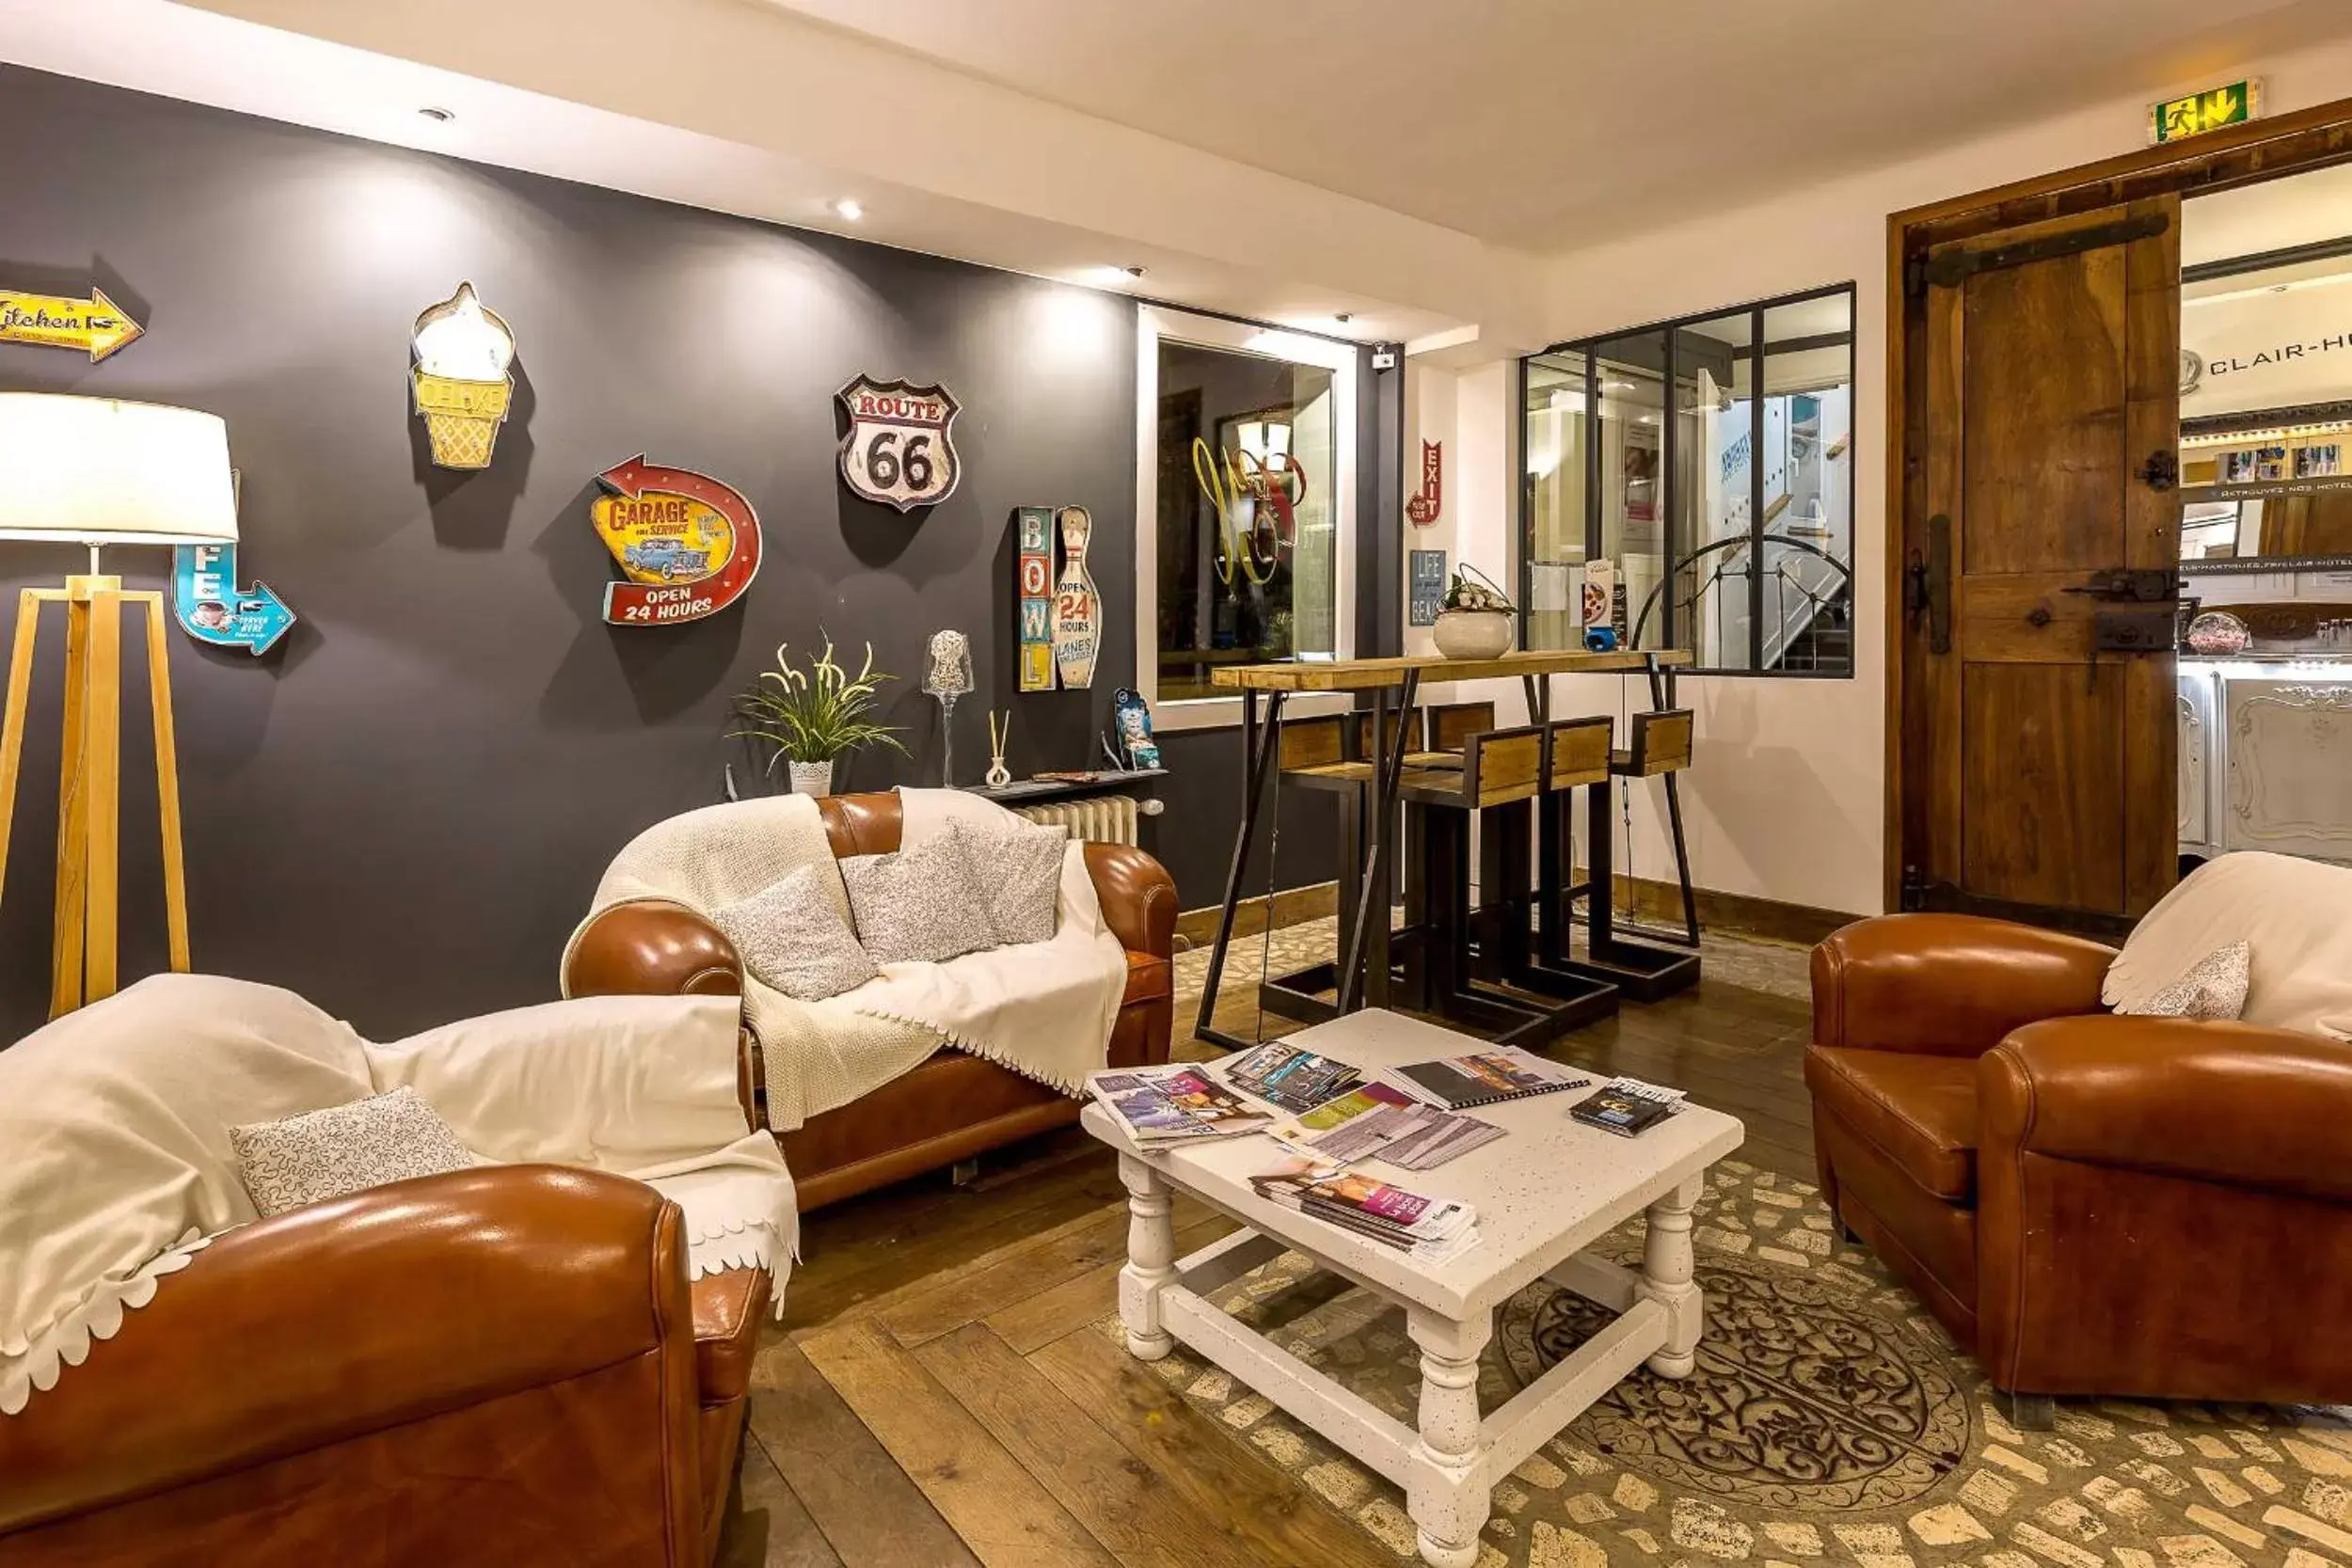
1077,608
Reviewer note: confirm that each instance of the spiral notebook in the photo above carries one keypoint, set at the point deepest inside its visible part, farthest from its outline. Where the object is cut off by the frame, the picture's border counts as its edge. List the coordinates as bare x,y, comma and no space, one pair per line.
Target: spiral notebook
1487,1078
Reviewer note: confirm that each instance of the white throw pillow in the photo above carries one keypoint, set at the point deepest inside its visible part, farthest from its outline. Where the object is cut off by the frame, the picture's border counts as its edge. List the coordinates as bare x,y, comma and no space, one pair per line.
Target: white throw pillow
1017,866
344,1149
2297,916
918,905
792,936
2214,987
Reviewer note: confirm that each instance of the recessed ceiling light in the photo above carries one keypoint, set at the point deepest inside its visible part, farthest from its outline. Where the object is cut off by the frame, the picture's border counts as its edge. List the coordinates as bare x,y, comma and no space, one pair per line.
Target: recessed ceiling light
437,116
1342,318
1133,272
849,211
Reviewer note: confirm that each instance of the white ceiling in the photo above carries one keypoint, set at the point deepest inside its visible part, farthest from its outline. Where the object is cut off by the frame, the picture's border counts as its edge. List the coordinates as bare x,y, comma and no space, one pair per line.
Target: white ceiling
1541,123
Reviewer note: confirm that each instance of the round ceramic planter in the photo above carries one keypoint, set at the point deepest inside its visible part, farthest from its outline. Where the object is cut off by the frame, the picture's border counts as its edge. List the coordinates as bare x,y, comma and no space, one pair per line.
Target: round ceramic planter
811,778
1473,633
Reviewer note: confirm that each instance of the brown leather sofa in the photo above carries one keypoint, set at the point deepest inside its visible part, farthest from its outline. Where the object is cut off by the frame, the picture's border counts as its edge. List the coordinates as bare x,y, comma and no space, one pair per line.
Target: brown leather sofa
503,1368
953,1106
2092,1204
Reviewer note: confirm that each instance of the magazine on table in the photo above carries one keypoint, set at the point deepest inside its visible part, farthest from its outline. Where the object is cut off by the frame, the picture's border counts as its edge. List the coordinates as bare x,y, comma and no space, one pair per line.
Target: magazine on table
1628,1106
1381,1121
1430,1229
1289,1078
1160,1106
1488,1077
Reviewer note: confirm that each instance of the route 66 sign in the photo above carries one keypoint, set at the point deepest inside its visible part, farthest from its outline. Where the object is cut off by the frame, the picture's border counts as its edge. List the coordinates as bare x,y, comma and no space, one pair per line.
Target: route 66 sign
899,451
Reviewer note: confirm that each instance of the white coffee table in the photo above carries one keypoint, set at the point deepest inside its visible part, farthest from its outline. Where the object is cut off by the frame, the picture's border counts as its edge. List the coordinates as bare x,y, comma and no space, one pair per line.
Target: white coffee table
1544,1192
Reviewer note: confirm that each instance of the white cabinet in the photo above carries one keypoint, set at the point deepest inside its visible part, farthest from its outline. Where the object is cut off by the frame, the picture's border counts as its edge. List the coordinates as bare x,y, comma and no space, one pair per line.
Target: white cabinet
2287,744
2199,697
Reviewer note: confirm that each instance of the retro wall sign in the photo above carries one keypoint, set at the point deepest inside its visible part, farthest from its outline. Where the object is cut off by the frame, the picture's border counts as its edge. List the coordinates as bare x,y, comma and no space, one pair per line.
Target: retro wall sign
461,386
1423,508
96,325
1077,608
687,544
899,450
215,610
1034,594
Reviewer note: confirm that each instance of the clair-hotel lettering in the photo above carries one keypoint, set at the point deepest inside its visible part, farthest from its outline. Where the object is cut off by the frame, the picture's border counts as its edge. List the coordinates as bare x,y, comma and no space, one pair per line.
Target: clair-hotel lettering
2219,365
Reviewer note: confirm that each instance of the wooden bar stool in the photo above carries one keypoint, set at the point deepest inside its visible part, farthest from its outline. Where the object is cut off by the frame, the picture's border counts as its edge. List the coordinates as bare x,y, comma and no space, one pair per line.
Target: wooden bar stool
1329,755
1498,774
1576,757
1659,745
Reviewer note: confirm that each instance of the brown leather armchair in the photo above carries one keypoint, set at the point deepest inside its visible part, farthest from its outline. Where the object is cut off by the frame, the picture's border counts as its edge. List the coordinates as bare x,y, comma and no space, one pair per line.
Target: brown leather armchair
503,1367
2092,1204
954,1105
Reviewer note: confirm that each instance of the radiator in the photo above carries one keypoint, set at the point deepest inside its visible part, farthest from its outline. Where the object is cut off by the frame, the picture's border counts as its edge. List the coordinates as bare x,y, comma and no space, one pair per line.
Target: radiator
1101,819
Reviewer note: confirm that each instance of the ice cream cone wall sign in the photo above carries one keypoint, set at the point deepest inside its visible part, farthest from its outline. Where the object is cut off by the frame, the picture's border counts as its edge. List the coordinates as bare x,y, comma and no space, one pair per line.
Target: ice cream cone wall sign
463,390
687,545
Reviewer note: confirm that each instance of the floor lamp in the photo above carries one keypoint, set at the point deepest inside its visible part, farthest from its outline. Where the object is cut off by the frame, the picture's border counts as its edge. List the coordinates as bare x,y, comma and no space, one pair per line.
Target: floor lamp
93,471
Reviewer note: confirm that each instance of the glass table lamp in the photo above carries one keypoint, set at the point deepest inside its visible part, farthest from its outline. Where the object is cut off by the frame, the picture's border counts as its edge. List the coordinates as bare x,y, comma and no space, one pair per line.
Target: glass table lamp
95,471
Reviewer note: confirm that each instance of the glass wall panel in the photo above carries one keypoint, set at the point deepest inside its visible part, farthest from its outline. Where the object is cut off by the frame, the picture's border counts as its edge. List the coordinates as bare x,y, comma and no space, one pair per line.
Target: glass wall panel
1249,525
1808,487
1554,497
1714,414
1631,447
1716,475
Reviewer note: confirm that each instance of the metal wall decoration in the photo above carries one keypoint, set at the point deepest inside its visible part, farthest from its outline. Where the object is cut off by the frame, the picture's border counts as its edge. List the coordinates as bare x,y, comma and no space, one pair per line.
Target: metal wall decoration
687,544
899,450
96,325
1077,608
213,609
463,390
1423,508
1034,596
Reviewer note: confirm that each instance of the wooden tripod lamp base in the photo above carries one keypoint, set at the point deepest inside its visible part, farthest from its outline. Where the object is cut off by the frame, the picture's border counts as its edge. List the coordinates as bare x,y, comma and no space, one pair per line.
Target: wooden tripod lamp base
91,472
90,783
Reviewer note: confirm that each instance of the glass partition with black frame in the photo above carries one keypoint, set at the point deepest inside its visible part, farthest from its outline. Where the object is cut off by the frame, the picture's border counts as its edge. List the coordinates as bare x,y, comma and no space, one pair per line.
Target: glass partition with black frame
1709,463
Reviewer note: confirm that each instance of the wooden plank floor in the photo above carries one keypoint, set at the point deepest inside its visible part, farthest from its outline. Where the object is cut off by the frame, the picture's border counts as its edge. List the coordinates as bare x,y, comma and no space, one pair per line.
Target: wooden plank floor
935,1394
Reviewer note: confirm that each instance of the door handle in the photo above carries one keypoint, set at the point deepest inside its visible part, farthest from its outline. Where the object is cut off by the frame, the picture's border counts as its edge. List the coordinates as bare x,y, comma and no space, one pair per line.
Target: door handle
1938,584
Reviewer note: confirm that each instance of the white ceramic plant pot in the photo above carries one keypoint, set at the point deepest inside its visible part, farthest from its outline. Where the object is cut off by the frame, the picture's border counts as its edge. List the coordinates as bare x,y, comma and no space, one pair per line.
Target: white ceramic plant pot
1473,633
811,778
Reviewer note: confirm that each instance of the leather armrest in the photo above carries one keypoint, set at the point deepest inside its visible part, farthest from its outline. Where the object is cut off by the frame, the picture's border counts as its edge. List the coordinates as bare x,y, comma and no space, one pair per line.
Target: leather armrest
2231,1102
352,1316
1948,984
1138,898
651,947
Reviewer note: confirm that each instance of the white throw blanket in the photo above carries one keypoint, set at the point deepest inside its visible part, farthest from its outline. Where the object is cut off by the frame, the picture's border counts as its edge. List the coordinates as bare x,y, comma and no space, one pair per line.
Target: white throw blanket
2295,915
116,1165
1042,1010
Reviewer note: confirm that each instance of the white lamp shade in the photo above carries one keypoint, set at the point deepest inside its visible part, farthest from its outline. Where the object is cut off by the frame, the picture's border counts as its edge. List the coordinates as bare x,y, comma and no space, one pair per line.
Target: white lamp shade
93,470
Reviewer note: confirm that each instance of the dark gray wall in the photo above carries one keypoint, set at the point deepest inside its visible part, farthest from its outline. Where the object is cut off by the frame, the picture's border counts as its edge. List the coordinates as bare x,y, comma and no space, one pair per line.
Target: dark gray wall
402,810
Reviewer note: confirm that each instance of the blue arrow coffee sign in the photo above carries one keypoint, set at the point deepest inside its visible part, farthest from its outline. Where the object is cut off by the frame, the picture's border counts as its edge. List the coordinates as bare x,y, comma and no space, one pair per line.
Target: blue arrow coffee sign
213,609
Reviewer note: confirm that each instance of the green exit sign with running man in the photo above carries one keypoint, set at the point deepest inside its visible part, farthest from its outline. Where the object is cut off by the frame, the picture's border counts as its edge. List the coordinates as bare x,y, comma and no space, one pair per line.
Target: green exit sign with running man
2178,118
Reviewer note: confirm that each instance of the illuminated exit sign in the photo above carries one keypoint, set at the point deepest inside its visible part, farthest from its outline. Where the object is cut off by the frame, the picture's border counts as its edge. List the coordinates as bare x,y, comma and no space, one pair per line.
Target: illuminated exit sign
2178,118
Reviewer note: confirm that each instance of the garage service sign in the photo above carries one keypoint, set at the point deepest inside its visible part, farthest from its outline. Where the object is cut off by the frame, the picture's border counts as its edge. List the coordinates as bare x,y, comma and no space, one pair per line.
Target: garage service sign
687,544
899,451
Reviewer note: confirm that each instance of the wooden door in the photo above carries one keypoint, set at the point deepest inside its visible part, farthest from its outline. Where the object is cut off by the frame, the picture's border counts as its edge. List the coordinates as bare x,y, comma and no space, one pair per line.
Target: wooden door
2043,773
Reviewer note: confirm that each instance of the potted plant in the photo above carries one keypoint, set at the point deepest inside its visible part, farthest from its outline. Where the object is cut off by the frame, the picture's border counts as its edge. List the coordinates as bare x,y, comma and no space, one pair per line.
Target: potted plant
812,717
1476,620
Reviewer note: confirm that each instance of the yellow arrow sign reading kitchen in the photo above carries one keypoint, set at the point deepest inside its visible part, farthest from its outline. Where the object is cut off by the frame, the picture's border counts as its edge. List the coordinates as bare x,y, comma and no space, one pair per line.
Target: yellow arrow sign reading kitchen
97,323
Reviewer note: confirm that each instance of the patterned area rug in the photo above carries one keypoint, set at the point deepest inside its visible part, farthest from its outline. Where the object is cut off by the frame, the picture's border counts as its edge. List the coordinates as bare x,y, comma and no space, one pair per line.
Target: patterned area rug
1830,1420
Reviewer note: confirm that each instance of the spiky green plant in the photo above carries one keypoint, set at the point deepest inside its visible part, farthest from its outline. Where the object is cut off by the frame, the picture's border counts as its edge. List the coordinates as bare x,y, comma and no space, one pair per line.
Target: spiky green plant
814,715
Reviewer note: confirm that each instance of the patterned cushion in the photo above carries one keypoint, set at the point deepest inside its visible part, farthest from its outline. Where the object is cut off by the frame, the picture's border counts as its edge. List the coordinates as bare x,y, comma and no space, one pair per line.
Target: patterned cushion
2214,987
918,905
1018,867
344,1149
792,937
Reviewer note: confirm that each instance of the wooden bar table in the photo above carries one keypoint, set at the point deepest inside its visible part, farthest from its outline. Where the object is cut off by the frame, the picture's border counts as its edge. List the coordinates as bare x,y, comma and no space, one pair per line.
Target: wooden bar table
1394,684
